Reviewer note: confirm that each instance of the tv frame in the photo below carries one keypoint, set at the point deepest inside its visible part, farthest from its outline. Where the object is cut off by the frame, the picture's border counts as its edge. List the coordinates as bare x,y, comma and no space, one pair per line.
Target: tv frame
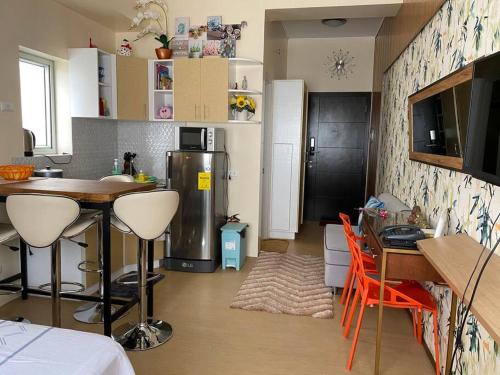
472,157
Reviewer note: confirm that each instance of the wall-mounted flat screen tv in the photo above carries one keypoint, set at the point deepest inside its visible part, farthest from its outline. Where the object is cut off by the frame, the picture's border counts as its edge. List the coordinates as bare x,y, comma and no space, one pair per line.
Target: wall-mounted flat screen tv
482,157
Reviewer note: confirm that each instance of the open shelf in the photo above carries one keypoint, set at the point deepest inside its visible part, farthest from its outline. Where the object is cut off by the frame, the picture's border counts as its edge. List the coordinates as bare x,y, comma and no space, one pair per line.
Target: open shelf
244,92
243,122
244,61
161,86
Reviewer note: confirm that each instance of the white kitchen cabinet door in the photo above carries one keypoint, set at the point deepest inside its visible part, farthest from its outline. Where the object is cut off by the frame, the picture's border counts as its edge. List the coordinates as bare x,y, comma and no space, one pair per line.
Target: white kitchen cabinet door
286,158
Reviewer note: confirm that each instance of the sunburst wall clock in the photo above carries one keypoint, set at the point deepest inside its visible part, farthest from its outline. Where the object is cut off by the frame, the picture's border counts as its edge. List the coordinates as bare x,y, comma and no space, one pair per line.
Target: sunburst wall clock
339,64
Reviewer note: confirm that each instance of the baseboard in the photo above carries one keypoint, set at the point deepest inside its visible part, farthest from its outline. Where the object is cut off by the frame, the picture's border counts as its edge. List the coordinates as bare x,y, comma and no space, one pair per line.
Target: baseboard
281,235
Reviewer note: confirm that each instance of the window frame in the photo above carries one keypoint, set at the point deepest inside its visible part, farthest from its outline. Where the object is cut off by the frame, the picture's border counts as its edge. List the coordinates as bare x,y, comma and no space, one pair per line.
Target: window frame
50,109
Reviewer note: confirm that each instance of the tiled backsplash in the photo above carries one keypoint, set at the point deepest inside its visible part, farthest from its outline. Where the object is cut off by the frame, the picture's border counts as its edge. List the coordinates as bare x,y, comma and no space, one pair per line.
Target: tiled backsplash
97,142
150,141
94,148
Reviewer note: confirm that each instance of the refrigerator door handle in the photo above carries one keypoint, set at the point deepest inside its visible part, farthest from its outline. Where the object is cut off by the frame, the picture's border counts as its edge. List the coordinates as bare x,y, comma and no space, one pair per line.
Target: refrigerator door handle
169,169
203,139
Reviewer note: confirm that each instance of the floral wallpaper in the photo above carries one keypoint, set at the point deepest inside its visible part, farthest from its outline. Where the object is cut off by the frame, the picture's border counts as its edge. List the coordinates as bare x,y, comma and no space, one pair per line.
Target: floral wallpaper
460,32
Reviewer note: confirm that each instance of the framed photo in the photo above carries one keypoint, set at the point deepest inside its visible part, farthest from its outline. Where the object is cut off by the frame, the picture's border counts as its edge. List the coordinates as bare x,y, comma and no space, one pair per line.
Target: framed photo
180,48
213,22
227,47
195,48
230,31
198,32
211,47
182,28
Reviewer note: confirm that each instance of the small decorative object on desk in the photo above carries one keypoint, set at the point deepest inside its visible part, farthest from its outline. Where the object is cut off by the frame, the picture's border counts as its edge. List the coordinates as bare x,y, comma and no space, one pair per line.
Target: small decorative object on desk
418,218
150,21
243,107
125,48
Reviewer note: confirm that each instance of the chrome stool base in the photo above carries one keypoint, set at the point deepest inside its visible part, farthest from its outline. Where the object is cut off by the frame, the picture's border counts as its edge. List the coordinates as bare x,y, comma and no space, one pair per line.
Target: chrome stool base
91,313
143,336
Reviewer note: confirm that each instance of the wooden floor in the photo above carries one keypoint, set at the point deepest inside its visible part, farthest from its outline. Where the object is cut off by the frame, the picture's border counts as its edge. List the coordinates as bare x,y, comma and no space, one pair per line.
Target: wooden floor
211,338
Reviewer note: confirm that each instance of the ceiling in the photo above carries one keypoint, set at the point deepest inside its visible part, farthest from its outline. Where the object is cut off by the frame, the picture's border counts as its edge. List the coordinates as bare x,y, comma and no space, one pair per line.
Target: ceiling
113,14
355,27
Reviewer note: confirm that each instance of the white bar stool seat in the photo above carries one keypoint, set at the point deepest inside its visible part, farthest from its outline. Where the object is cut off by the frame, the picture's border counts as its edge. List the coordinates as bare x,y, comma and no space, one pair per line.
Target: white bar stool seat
148,215
92,312
40,221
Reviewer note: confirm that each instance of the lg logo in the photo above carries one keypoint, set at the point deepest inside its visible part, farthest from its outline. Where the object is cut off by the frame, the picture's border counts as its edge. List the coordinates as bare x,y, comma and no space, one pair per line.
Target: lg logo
187,265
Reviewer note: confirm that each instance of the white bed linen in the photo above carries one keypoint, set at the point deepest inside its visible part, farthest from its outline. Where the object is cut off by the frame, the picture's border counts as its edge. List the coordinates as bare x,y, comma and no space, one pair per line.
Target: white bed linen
27,349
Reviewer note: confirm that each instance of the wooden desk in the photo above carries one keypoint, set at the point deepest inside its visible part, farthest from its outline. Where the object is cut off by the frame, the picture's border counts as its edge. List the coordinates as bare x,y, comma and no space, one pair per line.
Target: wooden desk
92,194
394,264
454,257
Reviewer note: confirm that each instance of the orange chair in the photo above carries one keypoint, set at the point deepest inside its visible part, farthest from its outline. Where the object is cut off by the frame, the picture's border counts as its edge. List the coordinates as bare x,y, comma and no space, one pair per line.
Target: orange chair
368,262
407,295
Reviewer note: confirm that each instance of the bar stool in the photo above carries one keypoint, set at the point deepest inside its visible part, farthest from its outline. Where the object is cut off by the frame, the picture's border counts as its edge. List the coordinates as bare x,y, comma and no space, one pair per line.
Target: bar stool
148,215
92,312
40,221
7,234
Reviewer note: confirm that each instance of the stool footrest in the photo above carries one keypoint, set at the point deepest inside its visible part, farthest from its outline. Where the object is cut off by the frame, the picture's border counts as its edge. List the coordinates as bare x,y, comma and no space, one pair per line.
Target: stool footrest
80,287
130,278
10,289
84,267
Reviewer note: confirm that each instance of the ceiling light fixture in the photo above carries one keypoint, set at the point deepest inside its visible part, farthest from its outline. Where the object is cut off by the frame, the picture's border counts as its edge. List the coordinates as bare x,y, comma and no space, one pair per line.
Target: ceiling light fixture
333,22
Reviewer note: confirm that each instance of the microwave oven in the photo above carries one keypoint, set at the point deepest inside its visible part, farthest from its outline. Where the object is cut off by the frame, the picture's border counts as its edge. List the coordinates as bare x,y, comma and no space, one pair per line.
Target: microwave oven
199,139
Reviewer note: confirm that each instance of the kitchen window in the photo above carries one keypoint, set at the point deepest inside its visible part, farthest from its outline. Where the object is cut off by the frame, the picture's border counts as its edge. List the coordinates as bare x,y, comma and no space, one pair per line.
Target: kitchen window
37,100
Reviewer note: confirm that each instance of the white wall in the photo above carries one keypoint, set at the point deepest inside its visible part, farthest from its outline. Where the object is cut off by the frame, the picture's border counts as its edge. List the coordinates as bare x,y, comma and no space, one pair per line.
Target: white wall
307,58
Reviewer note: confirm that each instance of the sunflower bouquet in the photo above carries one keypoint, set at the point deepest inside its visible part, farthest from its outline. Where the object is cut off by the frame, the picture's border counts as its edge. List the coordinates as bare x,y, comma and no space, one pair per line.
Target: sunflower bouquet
242,103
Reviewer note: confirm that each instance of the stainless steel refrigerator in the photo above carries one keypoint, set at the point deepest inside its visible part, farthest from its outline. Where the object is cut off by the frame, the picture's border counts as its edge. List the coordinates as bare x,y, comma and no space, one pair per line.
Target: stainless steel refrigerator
193,241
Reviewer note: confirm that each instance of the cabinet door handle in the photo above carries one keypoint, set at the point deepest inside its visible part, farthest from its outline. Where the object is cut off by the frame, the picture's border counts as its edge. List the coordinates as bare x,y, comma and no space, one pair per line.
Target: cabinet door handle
195,112
145,111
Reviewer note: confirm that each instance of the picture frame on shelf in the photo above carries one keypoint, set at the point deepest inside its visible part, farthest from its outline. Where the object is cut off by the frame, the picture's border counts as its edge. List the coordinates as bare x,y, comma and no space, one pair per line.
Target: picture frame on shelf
180,48
213,22
211,47
182,28
195,48
228,48
198,32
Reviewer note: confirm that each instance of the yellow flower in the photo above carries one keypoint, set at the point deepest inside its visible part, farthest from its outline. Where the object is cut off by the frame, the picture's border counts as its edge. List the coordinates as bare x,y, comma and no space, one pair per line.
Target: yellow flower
240,101
233,100
251,103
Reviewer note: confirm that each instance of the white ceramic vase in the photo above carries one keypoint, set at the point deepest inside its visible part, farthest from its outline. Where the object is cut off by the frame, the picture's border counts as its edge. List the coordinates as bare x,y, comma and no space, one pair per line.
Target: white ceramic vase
241,116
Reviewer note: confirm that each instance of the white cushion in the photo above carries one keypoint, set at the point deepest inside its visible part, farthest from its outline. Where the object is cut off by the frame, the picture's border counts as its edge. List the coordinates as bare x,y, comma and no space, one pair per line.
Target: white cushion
118,224
83,223
7,233
335,237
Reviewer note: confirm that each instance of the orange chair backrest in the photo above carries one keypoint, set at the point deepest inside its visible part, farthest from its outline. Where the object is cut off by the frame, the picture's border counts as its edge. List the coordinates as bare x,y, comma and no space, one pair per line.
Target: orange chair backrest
346,220
357,260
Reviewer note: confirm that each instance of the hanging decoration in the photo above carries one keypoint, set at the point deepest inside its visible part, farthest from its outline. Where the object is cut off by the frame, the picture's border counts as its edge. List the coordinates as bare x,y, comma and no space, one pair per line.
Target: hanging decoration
339,64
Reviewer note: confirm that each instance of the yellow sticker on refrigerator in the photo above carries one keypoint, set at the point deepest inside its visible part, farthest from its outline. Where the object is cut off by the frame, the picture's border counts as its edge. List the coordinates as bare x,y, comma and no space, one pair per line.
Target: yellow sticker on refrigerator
204,180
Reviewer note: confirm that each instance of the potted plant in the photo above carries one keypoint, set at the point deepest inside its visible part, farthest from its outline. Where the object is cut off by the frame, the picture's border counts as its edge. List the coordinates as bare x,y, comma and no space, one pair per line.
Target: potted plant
149,21
243,107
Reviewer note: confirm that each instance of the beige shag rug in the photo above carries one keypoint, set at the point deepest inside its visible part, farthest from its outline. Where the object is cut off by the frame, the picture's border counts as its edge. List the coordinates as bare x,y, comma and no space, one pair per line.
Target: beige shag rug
288,284
278,246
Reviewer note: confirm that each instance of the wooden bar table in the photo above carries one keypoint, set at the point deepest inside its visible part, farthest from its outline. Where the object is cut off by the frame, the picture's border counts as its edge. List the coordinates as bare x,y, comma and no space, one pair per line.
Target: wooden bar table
396,264
91,194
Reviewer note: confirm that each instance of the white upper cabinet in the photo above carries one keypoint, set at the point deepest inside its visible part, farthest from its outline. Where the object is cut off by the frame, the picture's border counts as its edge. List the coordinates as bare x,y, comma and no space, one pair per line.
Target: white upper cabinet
92,77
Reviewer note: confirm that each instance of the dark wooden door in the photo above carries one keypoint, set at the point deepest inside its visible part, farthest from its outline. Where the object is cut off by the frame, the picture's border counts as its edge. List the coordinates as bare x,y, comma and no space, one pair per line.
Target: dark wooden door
336,166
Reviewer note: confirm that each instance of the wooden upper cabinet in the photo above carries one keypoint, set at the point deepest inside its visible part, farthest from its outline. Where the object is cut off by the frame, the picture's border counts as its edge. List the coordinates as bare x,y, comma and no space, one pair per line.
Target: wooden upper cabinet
214,89
132,88
187,85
